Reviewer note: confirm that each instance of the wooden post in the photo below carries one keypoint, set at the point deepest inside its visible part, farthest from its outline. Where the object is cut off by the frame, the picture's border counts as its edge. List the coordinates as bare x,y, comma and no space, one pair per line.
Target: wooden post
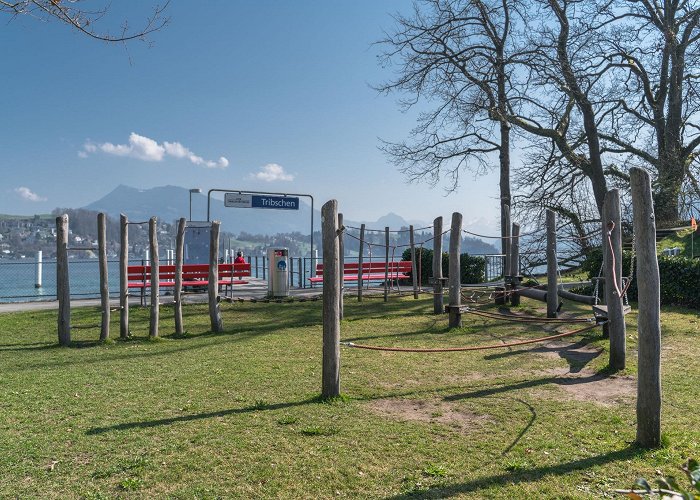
649,319
155,271
515,263
414,267
217,324
455,286
179,258
386,264
62,280
341,264
104,282
612,261
330,383
360,260
506,253
437,266
123,277
552,285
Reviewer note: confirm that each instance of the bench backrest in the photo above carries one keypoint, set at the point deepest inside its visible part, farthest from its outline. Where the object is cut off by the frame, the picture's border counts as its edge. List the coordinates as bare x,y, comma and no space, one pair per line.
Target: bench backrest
190,272
395,267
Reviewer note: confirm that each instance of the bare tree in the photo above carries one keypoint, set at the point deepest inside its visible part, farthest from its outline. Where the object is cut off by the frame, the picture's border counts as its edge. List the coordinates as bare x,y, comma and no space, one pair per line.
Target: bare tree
455,55
653,51
85,19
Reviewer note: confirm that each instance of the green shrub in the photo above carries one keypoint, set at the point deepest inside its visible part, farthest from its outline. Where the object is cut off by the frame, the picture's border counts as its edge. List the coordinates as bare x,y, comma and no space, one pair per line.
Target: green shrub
471,267
680,278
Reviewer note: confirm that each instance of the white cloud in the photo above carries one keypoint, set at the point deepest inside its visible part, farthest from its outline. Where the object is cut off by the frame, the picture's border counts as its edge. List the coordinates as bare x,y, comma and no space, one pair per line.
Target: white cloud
272,172
27,194
146,149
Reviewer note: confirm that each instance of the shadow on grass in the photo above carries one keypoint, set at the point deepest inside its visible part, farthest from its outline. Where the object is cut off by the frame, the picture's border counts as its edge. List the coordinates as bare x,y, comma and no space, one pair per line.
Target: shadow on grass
144,424
594,377
523,475
576,358
533,417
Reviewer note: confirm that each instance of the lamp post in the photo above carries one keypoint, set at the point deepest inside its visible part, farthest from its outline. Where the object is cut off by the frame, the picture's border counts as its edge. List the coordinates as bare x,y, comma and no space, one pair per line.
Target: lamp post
193,190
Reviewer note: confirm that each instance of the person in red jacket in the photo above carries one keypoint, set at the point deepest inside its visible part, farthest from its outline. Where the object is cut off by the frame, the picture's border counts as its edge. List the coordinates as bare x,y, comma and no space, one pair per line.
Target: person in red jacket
239,258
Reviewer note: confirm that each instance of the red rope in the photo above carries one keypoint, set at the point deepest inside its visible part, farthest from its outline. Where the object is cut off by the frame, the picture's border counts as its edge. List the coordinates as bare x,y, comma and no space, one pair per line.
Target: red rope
611,226
471,348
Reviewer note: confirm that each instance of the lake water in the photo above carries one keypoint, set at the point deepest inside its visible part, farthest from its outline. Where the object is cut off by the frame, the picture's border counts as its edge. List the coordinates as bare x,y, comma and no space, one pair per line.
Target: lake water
18,279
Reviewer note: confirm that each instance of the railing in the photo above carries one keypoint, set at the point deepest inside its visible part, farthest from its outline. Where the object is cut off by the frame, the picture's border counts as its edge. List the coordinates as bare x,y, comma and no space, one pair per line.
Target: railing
18,278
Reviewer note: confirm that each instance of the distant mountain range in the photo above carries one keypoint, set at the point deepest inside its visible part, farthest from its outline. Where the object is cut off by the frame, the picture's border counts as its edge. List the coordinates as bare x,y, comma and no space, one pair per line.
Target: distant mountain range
169,203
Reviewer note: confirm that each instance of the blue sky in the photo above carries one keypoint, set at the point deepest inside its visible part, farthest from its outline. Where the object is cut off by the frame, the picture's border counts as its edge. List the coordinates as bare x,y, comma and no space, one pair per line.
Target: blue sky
268,96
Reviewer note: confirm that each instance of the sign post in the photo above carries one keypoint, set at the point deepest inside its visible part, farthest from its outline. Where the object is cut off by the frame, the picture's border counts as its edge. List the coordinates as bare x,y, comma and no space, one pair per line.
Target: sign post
257,199
239,200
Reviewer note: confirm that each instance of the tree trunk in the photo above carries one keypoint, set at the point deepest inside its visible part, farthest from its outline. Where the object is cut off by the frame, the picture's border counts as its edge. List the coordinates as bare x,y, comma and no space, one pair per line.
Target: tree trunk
62,280
552,277
123,277
341,265
104,282
155,272
649,320
612,260
360,261
330,382
414,267
179,258
455,288
217,324
437,266
515,263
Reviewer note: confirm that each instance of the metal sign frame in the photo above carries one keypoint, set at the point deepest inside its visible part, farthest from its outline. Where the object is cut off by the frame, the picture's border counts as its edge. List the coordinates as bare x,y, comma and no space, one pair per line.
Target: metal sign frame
238,191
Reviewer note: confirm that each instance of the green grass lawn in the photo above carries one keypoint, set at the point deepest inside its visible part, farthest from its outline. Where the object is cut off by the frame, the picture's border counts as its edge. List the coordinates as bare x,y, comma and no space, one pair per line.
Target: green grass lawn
237,414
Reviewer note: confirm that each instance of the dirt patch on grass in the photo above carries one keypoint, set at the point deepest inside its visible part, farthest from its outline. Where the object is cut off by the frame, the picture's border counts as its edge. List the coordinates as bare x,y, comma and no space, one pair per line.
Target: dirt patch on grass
590,387
416,410
594,388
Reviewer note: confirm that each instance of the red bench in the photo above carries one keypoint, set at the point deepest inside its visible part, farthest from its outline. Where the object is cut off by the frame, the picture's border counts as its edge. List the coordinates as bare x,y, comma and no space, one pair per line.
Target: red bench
371,271
192,275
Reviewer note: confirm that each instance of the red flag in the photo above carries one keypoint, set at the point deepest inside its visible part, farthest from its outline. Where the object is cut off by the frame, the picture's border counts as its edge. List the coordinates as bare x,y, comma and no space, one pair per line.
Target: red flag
693,224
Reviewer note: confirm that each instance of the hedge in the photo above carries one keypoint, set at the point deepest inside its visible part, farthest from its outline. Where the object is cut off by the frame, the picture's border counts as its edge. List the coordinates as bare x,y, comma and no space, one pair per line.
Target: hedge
472,268
680,278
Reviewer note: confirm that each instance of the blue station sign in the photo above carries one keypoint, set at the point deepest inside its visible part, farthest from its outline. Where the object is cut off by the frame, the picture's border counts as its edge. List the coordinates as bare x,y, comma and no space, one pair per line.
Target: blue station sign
237,200
276,202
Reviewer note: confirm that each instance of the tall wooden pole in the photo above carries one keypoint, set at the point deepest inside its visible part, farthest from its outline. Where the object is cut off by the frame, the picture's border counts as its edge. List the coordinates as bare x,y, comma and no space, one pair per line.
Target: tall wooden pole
515,263
612,262
104,281
155,271
552,285
123,277
386,264
414,267
341,264
179,258
649,319
506,247
217,324
330,382
437,266
62,280
455,287
360,261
